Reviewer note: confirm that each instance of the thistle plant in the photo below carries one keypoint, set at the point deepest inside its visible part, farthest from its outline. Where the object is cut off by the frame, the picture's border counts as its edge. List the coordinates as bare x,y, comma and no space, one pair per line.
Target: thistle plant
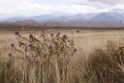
46,50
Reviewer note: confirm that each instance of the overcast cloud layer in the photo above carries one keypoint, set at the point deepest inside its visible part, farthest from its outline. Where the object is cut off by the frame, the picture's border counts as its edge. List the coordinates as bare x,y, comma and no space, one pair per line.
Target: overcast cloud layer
107,2
15,8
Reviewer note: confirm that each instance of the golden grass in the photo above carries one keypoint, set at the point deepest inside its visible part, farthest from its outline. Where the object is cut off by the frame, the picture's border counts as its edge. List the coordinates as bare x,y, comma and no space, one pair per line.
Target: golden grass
86,40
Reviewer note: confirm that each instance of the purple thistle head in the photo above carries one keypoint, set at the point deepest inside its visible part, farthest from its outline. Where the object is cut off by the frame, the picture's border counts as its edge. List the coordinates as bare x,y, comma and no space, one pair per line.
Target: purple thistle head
52,34
31,36
30,45
42,31
64,36
27,57
10,54
74,50
12,45
50,47
16,33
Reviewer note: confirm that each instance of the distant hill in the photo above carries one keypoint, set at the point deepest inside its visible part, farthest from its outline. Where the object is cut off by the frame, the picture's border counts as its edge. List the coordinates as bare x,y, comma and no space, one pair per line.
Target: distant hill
104,17
110,19
110,16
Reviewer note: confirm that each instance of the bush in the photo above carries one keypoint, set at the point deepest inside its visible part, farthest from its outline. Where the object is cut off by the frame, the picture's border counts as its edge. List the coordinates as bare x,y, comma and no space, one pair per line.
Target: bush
44,56
104,67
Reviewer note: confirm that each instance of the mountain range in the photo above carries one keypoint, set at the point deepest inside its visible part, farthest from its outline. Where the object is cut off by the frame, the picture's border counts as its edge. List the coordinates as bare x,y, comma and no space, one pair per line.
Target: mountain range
110,16
109,19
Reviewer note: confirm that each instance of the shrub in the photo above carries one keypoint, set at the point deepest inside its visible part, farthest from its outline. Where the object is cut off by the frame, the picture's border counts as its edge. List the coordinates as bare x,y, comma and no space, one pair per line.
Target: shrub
46,55
104,67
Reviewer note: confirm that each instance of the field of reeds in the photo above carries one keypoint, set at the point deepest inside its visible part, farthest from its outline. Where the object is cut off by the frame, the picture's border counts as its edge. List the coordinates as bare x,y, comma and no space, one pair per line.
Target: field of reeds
62,56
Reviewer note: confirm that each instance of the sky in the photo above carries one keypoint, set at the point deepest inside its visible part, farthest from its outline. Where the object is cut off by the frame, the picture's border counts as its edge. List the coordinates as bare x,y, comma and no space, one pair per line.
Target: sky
27,8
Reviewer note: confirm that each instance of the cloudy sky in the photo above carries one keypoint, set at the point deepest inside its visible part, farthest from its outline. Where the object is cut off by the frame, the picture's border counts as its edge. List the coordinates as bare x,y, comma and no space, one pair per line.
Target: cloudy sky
15,8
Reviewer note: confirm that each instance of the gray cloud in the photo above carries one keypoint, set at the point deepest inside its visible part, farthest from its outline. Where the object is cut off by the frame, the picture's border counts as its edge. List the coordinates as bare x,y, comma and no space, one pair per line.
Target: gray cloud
108,2
10,8
102,5
105,2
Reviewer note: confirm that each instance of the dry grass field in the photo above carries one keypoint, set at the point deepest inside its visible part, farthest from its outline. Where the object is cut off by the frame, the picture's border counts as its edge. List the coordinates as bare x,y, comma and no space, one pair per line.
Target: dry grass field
86,41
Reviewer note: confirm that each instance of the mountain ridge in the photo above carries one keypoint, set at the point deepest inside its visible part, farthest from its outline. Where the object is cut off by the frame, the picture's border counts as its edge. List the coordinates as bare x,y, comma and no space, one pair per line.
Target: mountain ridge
110,16
111,19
